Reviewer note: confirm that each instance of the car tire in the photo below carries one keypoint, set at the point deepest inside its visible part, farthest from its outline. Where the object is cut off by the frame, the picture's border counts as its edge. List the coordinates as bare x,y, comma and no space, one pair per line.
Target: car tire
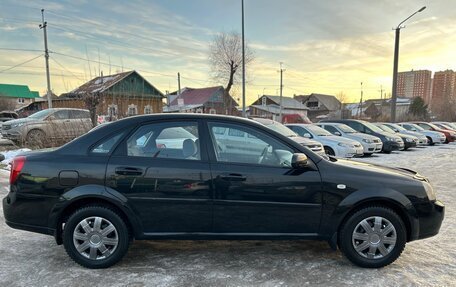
370,246
430,141
36,138
100,235
329,151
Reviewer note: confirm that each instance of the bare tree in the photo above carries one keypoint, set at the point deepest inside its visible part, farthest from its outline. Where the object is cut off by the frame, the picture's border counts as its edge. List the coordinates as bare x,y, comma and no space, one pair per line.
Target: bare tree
7,104
226,58
342,97
91,101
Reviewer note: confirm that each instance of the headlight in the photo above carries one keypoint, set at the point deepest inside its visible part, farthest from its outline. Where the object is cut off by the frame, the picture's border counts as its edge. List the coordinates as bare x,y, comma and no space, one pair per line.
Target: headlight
344,145
429,191
390,139
17,125
367,141
409,140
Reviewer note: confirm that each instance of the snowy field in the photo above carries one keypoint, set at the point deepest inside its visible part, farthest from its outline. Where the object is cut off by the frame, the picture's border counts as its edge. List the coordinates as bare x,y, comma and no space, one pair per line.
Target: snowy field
29,259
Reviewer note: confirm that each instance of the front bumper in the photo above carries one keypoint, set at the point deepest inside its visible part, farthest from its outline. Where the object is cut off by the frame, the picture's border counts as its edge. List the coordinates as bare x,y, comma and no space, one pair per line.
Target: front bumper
430,217
370,148
389,146
409,144
11,135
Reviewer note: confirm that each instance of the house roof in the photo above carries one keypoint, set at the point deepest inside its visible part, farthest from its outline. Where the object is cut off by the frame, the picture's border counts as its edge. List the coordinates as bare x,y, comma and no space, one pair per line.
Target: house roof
330,102
17,91
275,109
287,102
196,96
102,84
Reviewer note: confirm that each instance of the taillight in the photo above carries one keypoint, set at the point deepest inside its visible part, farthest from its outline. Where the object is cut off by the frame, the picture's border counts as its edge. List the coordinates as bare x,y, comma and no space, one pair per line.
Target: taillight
16,166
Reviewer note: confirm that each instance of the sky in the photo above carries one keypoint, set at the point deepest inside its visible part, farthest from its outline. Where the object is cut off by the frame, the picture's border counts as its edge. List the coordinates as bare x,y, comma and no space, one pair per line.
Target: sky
325,46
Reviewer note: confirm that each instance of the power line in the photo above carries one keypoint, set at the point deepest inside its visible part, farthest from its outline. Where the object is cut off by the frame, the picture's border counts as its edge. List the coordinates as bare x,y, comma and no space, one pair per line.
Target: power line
17,49
67,69
18,65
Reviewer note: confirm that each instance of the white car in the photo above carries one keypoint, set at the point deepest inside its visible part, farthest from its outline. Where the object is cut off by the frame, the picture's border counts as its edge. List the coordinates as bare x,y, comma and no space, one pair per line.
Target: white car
422,139
433,136
371,144
334,145
314,146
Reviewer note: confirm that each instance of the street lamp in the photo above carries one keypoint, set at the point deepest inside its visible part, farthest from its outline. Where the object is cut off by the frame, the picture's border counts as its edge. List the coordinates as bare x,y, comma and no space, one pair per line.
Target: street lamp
396,62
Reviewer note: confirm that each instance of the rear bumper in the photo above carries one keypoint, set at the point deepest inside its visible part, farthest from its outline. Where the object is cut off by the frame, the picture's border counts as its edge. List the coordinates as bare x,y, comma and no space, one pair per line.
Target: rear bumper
18,215
430,218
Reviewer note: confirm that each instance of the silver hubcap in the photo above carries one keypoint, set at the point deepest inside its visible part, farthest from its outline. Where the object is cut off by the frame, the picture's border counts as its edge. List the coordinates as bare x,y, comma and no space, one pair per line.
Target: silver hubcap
374,237
95,238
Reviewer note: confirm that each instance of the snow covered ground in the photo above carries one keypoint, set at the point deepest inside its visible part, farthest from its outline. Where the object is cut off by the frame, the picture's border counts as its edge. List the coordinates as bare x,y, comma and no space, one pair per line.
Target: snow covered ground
28,259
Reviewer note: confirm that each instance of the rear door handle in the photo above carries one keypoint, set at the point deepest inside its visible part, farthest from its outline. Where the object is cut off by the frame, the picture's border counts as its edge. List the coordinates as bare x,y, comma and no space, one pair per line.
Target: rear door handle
129,171
233,177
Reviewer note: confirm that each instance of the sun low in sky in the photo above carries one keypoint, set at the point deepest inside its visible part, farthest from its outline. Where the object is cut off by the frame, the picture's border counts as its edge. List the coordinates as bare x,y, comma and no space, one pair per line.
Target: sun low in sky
325,46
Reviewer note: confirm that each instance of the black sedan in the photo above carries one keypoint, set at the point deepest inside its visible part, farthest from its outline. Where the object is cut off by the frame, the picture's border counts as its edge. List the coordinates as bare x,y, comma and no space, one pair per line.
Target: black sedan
189,176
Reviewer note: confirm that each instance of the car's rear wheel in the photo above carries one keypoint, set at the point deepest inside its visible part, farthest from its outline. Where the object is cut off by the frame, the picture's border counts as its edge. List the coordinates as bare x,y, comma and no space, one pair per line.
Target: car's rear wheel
373,237
95,237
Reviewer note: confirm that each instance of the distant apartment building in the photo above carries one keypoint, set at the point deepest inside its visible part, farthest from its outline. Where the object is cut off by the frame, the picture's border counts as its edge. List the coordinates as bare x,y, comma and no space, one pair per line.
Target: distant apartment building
413,84
444,85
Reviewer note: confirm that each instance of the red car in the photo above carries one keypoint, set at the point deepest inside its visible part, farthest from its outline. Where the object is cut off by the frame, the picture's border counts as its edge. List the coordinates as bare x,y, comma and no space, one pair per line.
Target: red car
449,134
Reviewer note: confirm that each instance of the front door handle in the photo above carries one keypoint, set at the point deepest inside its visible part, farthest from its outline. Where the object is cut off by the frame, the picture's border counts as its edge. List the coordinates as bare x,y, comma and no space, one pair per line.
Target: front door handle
233,177
129,171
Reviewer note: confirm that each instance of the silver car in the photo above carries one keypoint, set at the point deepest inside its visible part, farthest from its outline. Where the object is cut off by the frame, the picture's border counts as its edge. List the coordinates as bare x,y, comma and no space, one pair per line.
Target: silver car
371,144
48,127
314,146
422,139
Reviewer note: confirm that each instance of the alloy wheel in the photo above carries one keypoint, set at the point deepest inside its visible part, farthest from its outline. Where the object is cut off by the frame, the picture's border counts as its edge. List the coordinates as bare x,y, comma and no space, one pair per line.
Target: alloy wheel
374,237
95,238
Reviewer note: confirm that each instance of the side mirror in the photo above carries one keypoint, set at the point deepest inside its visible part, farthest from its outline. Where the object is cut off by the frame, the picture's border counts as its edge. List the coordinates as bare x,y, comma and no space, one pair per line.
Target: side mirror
337,133
299,160
307,135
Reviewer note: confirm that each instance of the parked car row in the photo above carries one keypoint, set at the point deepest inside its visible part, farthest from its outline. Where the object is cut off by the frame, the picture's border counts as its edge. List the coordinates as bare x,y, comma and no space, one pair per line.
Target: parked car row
353,138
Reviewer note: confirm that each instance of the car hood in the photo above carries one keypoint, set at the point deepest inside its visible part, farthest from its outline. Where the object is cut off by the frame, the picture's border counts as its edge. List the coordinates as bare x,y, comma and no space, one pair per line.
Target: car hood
406,136
304,141
432,133
337,139
379,169
361,136
20,121
412,133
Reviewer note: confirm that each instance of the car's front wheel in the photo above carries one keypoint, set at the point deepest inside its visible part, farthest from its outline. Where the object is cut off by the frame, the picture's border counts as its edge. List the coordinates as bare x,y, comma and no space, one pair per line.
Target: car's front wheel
373,237
95,237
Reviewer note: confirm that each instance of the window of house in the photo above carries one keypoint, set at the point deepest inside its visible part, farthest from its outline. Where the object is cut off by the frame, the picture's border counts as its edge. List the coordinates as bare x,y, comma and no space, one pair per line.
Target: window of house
263,101
21,100
212,111
132,110
112,110
312,104
147,110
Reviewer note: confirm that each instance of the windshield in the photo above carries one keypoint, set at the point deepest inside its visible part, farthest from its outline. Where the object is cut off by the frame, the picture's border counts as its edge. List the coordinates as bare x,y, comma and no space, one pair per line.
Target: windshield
281,129
387,129
346,129
41,114
317,131
373,127
417,127
397,127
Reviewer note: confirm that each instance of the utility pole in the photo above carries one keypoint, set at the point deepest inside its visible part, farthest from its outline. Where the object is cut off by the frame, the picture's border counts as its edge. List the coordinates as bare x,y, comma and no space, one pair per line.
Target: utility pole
43,26
243,64
396,64
281,90
360,108
381,92
178,83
